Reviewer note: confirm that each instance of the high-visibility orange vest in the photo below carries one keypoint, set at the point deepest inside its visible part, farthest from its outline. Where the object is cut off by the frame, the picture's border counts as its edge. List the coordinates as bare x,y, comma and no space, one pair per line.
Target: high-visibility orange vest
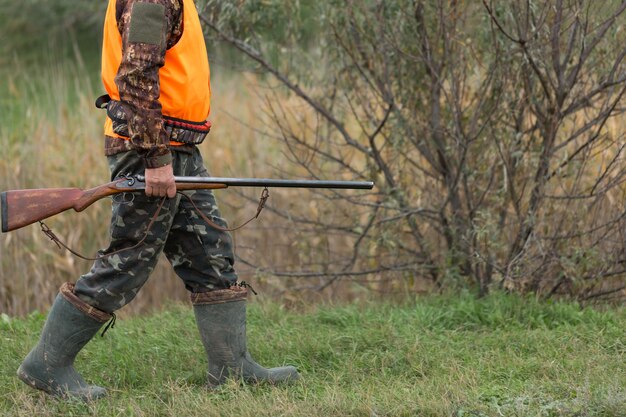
184,79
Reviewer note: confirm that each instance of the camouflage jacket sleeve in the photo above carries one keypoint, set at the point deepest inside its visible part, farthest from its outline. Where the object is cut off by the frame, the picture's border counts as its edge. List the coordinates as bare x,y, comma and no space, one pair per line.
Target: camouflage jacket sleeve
148,29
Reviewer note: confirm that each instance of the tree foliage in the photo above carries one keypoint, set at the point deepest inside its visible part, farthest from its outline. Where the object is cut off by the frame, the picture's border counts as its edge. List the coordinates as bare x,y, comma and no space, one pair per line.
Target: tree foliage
491,130
34,25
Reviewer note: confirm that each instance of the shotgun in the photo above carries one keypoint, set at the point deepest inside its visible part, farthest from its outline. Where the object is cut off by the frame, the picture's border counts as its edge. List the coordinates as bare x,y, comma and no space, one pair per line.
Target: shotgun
23,207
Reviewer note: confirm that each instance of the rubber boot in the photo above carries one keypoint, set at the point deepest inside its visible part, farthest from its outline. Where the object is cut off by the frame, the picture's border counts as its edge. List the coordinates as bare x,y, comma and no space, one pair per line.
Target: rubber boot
221,319
71,323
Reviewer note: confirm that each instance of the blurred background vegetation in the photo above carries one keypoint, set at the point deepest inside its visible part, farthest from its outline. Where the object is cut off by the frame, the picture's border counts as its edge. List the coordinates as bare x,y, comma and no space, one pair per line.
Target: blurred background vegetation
494,132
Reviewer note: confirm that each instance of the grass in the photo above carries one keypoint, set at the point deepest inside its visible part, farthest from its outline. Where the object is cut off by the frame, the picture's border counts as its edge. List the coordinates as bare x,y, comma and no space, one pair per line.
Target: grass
436,356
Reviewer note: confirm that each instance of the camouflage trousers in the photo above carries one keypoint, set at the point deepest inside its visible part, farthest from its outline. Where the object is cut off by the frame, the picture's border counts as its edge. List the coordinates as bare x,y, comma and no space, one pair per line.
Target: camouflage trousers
201,256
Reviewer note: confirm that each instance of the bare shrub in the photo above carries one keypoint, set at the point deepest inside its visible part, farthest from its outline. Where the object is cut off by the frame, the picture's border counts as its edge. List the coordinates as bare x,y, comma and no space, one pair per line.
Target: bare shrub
492,131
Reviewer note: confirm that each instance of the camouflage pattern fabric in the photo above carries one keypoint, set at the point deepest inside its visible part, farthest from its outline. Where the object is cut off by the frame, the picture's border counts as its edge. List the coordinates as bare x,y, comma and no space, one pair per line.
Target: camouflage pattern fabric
138,81
200,255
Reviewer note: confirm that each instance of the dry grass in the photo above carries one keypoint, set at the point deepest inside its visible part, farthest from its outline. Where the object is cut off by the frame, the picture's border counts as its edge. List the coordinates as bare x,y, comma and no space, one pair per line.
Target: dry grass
51,136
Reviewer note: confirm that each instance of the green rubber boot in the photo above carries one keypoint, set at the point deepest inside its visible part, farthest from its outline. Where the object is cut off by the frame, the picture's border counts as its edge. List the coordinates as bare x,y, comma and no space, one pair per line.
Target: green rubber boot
221,319
71,323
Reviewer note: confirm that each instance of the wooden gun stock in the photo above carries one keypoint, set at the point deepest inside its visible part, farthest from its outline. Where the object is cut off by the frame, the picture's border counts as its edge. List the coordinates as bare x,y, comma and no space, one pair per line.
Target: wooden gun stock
23,207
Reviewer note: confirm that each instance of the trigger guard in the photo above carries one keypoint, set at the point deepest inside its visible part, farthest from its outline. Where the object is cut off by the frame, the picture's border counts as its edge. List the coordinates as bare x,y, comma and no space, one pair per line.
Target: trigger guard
122,199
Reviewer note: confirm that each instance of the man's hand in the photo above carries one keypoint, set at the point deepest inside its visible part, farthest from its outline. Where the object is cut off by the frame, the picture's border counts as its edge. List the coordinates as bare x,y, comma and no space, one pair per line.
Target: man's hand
160,182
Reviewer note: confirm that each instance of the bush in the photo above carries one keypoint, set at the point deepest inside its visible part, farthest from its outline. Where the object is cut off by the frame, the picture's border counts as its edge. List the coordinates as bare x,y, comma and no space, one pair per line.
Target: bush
30,26
491,131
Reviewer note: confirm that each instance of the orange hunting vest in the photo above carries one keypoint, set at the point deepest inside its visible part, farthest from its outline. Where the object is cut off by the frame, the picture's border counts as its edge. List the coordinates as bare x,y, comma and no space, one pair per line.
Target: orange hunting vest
184,79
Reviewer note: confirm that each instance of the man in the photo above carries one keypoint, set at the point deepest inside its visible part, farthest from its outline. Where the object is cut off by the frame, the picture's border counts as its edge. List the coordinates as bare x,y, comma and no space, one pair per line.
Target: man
156,73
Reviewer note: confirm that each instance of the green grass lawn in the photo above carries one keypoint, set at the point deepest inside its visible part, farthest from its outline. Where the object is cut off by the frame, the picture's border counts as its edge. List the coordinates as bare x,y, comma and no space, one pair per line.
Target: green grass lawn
436,356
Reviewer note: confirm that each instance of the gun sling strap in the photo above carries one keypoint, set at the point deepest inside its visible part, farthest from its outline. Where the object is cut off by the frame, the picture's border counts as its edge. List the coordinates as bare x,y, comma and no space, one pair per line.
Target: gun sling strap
265,194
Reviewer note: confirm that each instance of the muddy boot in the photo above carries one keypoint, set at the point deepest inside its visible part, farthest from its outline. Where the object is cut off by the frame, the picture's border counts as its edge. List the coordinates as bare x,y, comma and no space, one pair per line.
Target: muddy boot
71,323
221,319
